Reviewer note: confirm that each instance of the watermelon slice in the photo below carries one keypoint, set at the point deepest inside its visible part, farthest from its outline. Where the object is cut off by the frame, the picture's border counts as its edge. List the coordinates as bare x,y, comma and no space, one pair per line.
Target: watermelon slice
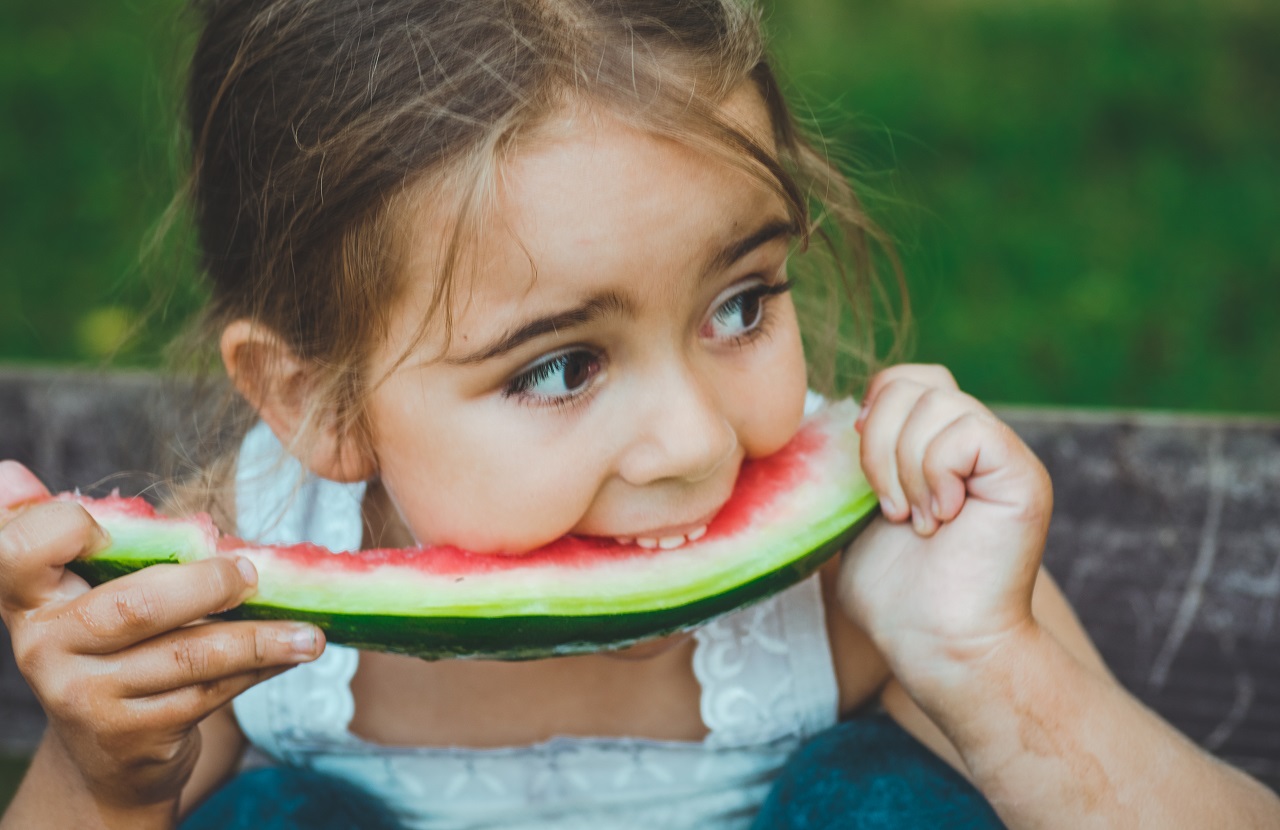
789,513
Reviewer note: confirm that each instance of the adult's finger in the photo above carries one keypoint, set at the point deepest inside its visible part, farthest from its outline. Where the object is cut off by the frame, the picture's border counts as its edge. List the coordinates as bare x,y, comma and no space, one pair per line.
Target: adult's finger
155,600
35,545
212,651
18,486
191,704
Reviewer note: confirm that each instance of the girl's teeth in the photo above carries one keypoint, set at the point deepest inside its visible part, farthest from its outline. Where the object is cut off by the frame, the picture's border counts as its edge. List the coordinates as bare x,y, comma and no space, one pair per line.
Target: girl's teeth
666,542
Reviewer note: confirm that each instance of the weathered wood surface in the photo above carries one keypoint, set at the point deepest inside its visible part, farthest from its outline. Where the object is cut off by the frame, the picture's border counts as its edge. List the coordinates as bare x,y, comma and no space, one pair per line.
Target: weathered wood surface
1166,538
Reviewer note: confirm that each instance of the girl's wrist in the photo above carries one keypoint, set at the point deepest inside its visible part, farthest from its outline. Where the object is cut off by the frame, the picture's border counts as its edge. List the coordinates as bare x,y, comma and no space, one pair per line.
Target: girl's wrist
1014,709
55,794
966,686
939,669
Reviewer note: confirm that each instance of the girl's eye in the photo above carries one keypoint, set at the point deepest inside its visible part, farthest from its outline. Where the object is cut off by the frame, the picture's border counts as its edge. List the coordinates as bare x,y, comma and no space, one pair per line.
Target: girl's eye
742,313
557,378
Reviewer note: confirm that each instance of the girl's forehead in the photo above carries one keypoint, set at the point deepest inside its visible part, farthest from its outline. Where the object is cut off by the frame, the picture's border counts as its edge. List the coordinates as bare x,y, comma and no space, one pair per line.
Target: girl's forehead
611,202
594,195
596,206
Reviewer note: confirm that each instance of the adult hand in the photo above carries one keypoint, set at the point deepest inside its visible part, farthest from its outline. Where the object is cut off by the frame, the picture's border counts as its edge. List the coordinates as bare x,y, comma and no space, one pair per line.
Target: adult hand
126,670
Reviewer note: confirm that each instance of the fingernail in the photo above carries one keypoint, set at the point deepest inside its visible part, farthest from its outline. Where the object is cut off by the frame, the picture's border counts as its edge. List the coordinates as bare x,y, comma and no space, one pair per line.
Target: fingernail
103,541
917,519
935,508
888,507
304,640
247,570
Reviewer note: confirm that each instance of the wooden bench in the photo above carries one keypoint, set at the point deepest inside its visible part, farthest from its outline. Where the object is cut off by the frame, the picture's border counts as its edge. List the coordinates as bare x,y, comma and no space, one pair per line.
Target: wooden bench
1166,538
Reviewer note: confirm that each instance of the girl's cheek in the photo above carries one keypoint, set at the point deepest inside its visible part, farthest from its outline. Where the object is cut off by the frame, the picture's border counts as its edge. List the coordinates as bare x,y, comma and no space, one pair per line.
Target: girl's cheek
775,400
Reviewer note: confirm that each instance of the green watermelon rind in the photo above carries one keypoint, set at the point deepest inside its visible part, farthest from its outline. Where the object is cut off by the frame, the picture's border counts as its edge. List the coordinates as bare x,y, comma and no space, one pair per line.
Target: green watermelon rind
534,610
519,637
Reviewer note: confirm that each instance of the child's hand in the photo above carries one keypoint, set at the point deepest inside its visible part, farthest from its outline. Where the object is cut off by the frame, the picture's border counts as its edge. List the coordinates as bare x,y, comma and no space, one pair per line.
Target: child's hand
948,576
122,674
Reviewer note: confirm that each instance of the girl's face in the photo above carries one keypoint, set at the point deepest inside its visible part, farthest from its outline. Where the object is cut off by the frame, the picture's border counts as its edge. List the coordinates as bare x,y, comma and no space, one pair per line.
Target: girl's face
627,341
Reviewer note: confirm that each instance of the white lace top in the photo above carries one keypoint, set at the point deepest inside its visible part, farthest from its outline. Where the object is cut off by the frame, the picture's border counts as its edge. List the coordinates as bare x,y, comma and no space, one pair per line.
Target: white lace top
766,675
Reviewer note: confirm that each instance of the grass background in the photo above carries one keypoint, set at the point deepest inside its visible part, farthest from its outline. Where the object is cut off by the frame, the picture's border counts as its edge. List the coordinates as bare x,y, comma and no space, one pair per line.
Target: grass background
1086,195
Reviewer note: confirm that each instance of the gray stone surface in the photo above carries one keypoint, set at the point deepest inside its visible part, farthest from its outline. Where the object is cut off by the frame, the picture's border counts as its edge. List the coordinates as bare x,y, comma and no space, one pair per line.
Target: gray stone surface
1166,538
94,432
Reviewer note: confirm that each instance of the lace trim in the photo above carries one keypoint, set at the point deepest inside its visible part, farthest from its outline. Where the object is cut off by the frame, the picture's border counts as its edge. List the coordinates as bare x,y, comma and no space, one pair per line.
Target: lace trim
766,672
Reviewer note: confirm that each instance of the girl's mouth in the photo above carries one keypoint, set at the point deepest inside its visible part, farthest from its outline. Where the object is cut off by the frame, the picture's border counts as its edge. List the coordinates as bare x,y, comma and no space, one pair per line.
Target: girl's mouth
666,541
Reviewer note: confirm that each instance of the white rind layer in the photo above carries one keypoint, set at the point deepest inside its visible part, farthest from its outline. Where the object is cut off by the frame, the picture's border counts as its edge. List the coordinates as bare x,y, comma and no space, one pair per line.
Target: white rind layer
833,495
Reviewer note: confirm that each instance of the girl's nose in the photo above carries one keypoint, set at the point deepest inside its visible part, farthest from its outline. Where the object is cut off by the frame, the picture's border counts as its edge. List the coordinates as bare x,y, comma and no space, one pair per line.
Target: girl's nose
682,433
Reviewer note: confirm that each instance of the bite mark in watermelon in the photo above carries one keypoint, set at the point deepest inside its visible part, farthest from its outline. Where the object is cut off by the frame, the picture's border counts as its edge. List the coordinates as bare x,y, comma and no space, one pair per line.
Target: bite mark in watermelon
789,513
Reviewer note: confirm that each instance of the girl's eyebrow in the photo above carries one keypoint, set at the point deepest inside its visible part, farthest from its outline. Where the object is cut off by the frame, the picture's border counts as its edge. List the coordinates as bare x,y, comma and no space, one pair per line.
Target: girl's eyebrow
777,228
610,302
597,306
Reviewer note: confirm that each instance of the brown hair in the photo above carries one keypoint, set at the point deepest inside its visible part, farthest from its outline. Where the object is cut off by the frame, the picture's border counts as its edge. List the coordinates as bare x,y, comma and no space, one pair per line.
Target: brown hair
313,123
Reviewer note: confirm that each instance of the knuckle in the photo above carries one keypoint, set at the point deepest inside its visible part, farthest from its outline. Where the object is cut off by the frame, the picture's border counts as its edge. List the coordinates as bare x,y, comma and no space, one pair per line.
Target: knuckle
882,381
890,373
939,373
934,462
979,422
210,691
90,618
260,644
142,719
892,385
136,607
166,753
936,397
191,658
141,753
68,696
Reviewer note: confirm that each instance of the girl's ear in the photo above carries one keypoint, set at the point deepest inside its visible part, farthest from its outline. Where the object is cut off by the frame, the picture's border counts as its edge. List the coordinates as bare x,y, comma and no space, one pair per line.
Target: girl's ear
278,384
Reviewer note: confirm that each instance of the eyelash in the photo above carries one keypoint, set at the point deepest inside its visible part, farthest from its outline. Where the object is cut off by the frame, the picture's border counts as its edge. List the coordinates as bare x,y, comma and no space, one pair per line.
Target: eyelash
518,387
762,292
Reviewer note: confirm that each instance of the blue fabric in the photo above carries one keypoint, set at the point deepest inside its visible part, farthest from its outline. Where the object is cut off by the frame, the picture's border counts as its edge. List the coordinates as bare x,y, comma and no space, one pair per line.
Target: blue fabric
864,774
869,774
289,798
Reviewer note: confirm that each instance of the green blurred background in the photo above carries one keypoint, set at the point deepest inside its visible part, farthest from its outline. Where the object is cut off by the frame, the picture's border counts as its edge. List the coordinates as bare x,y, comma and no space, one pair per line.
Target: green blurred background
1086,194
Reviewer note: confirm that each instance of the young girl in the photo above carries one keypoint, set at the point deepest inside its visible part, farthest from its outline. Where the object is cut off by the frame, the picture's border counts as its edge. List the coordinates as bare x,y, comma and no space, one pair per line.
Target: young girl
491,272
